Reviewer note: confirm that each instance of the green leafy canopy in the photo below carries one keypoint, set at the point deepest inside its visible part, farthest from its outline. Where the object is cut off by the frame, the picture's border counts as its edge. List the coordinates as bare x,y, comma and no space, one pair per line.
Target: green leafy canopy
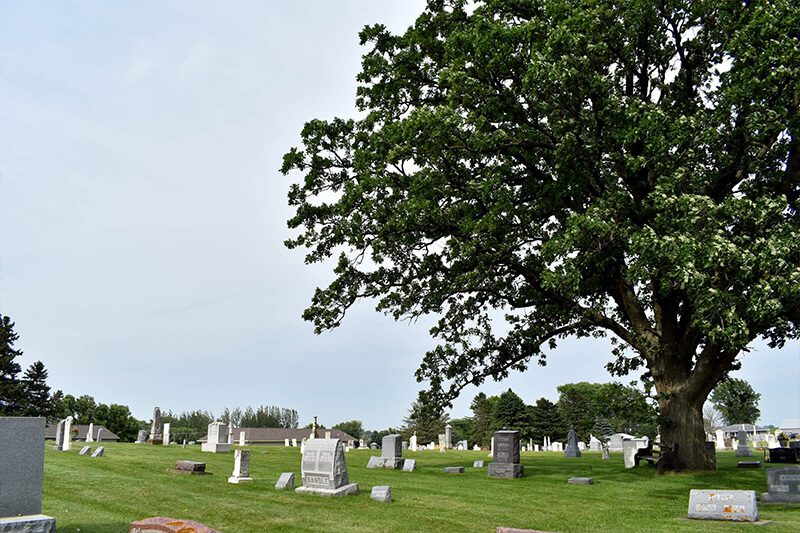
576,168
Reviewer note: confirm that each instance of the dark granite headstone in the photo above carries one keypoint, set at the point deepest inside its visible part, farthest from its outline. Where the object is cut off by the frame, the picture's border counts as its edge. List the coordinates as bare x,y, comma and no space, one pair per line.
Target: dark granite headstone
749,464
506,455
572,449
783,485
782,455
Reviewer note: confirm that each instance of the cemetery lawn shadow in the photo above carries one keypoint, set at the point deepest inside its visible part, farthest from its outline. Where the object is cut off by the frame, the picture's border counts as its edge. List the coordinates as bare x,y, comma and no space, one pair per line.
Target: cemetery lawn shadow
133,481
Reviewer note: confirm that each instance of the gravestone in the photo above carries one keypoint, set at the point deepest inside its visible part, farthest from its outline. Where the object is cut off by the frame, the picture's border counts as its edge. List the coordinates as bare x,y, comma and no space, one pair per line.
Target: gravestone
286,481
629,449
572,444
381,493
99,435
190,467
743,449
581,446
719,439
557,447
412,443
242,440
580,481
409,465
442,442
141,438
477,464
782,455
294,443
85,450
391,453
448,436
323,469
99,452
155,428
286,443
60,435
594,444
67,444
230,434
783,485
615,441
734,505
772,441
216,440
476,448
90,433
506,455
165,438
241,467
453,470
21,472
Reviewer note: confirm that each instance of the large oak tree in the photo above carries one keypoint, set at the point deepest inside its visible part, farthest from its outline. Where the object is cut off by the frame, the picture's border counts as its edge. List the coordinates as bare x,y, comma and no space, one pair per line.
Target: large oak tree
529,170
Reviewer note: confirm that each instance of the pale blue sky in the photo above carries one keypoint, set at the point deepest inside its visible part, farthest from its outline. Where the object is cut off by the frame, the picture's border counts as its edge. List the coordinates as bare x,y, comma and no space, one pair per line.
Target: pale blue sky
144,216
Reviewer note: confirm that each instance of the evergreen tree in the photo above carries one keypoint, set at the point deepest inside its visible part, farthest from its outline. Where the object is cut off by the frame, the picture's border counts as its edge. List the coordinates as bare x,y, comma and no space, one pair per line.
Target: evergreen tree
546,421
37,392
512,413
427,420
12,393
602,429
483,419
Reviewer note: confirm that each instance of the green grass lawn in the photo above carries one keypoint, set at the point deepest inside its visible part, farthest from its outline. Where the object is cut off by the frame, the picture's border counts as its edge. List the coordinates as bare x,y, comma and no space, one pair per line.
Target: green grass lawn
133,481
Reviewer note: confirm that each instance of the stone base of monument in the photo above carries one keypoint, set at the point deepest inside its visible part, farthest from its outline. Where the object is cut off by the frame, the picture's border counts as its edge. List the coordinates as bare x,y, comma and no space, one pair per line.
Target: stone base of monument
33,523
393,463
163,524
155,441
506,470
236,480
344,490
215,448
779,497
744,451
572,453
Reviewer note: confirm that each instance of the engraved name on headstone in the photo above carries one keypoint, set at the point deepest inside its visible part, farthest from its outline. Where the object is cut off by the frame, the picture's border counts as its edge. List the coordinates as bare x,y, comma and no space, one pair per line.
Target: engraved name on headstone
735,505
323,469
506,455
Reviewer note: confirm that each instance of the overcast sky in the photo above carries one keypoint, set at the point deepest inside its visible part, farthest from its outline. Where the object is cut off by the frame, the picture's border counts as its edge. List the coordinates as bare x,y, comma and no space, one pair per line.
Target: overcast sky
143,214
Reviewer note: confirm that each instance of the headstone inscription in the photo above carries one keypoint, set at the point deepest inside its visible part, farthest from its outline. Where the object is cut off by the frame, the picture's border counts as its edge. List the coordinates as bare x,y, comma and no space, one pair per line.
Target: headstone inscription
216,439
141,438
391,453
67,445
99,452
155,428
85,450
735,505
572,444
21,472
324,470
381,493
743,449
286,481
783,485
241,467
60,435
506,455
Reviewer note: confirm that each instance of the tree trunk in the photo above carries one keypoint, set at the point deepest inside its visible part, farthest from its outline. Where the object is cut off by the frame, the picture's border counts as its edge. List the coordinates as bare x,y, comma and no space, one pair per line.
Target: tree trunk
682,424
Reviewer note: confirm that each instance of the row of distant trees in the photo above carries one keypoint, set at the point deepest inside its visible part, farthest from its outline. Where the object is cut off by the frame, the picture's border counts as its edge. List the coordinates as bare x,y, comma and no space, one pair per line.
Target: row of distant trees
587,407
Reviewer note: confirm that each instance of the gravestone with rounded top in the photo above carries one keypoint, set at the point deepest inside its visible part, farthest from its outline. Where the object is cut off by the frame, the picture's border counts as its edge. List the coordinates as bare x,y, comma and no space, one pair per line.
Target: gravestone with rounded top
323,469
60,435
506,455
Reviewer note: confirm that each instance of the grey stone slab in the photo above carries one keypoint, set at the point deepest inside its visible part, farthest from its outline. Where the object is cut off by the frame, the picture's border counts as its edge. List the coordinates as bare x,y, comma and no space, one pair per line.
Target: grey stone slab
477,464
454,470
731,505
783,485
85,450
344,490
381,493
99,452
506,470
580,480
392,463
21,465
391,446
286,481
60,435
409,465
190,467
36,523
141,437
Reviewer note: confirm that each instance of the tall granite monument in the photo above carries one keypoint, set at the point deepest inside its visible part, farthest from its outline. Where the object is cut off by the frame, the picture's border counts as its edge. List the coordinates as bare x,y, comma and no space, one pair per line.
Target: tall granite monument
155,428
506,455
572,449
743,449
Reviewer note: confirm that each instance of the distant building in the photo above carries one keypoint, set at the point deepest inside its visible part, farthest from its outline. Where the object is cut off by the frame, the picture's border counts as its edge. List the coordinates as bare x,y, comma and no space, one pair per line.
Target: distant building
753,432
790,426
278,436
105,435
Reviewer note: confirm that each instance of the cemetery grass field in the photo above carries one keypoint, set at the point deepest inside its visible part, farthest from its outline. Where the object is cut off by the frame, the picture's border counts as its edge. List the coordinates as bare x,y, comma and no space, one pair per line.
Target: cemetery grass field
134,481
